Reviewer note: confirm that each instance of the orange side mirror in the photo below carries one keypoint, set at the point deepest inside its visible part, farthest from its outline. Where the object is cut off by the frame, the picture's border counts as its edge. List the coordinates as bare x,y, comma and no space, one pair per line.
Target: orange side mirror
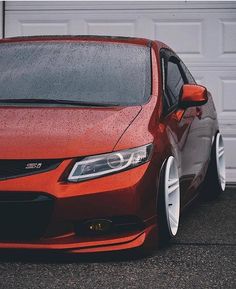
193,95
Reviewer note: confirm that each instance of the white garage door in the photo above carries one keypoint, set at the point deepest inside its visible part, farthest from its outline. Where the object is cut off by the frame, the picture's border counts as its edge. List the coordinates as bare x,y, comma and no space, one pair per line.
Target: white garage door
203,34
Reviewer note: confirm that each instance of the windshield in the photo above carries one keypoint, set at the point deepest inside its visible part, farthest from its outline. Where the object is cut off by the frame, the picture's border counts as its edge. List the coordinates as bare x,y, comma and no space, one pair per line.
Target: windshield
90,72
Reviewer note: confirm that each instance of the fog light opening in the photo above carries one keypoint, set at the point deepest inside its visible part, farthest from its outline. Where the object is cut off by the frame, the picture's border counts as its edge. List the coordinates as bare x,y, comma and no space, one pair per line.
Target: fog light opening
98,226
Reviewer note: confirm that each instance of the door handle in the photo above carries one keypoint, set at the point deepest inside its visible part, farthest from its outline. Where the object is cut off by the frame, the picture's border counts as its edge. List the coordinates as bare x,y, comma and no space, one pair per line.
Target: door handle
199,112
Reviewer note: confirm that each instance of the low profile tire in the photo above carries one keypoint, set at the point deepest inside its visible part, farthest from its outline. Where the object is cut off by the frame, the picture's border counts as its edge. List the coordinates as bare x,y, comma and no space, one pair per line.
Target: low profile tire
168,208
214,183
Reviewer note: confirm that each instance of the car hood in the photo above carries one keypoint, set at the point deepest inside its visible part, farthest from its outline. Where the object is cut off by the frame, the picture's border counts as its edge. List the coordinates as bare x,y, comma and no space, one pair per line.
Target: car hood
48,133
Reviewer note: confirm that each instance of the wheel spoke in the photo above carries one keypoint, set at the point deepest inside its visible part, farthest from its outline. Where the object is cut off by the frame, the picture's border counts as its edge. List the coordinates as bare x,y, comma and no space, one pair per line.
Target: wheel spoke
173,185
221,152
222,178
173,220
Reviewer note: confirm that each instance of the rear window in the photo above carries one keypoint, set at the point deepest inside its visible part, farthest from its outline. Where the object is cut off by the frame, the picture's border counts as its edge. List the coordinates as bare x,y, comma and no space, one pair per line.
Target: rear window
105,73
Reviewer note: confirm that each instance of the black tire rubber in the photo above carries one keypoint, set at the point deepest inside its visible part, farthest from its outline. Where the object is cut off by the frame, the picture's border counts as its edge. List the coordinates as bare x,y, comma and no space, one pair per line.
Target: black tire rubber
211,188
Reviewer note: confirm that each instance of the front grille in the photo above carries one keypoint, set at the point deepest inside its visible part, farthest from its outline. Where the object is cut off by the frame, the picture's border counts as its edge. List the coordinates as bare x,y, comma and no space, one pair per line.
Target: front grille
24,215
19,168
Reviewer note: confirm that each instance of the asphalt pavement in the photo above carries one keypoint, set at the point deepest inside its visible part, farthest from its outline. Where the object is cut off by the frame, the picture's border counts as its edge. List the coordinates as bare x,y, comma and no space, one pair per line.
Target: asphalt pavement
203,255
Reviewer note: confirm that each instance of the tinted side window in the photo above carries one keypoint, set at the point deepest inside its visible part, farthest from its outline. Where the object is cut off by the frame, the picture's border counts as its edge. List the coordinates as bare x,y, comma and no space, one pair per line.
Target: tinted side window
189,77
174,82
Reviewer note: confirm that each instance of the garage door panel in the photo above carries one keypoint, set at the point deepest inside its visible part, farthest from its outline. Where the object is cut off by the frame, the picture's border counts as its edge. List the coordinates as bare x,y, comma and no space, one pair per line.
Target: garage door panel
228,34
185,37
44,27
26,24
209,38
227,94
183,31
229,102
230,145
121,27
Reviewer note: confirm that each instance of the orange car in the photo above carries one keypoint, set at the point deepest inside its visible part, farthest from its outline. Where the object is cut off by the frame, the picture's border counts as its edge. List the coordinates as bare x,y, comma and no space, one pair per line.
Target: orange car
104,141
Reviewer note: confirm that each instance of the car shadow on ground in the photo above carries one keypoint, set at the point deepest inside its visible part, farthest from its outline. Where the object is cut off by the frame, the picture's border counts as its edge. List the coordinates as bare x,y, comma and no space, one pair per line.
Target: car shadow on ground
63,258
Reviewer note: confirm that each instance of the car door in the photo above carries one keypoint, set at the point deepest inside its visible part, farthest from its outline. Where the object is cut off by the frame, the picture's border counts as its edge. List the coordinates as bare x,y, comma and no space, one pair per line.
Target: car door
202,127
182,125
200,135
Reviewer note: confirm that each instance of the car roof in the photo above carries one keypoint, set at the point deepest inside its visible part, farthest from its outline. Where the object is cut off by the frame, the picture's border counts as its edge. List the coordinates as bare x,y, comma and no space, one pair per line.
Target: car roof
96,38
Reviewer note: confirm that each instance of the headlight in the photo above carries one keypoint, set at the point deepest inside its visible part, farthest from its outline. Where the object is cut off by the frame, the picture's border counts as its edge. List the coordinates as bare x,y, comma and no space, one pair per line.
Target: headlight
100,165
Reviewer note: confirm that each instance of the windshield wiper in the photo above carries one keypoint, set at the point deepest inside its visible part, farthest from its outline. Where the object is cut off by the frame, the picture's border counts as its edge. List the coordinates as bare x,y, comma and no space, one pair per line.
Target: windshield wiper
56,101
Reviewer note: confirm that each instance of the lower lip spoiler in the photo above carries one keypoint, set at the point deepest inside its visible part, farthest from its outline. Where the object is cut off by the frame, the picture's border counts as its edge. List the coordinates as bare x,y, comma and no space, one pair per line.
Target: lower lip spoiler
121,243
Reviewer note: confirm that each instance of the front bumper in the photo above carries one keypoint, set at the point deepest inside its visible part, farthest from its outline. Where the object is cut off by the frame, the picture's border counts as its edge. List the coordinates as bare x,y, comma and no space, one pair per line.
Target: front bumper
147,238
129,193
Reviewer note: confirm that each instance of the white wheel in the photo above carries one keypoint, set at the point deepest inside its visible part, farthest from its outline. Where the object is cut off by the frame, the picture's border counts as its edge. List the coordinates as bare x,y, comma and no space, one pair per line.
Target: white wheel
172,196
220,160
